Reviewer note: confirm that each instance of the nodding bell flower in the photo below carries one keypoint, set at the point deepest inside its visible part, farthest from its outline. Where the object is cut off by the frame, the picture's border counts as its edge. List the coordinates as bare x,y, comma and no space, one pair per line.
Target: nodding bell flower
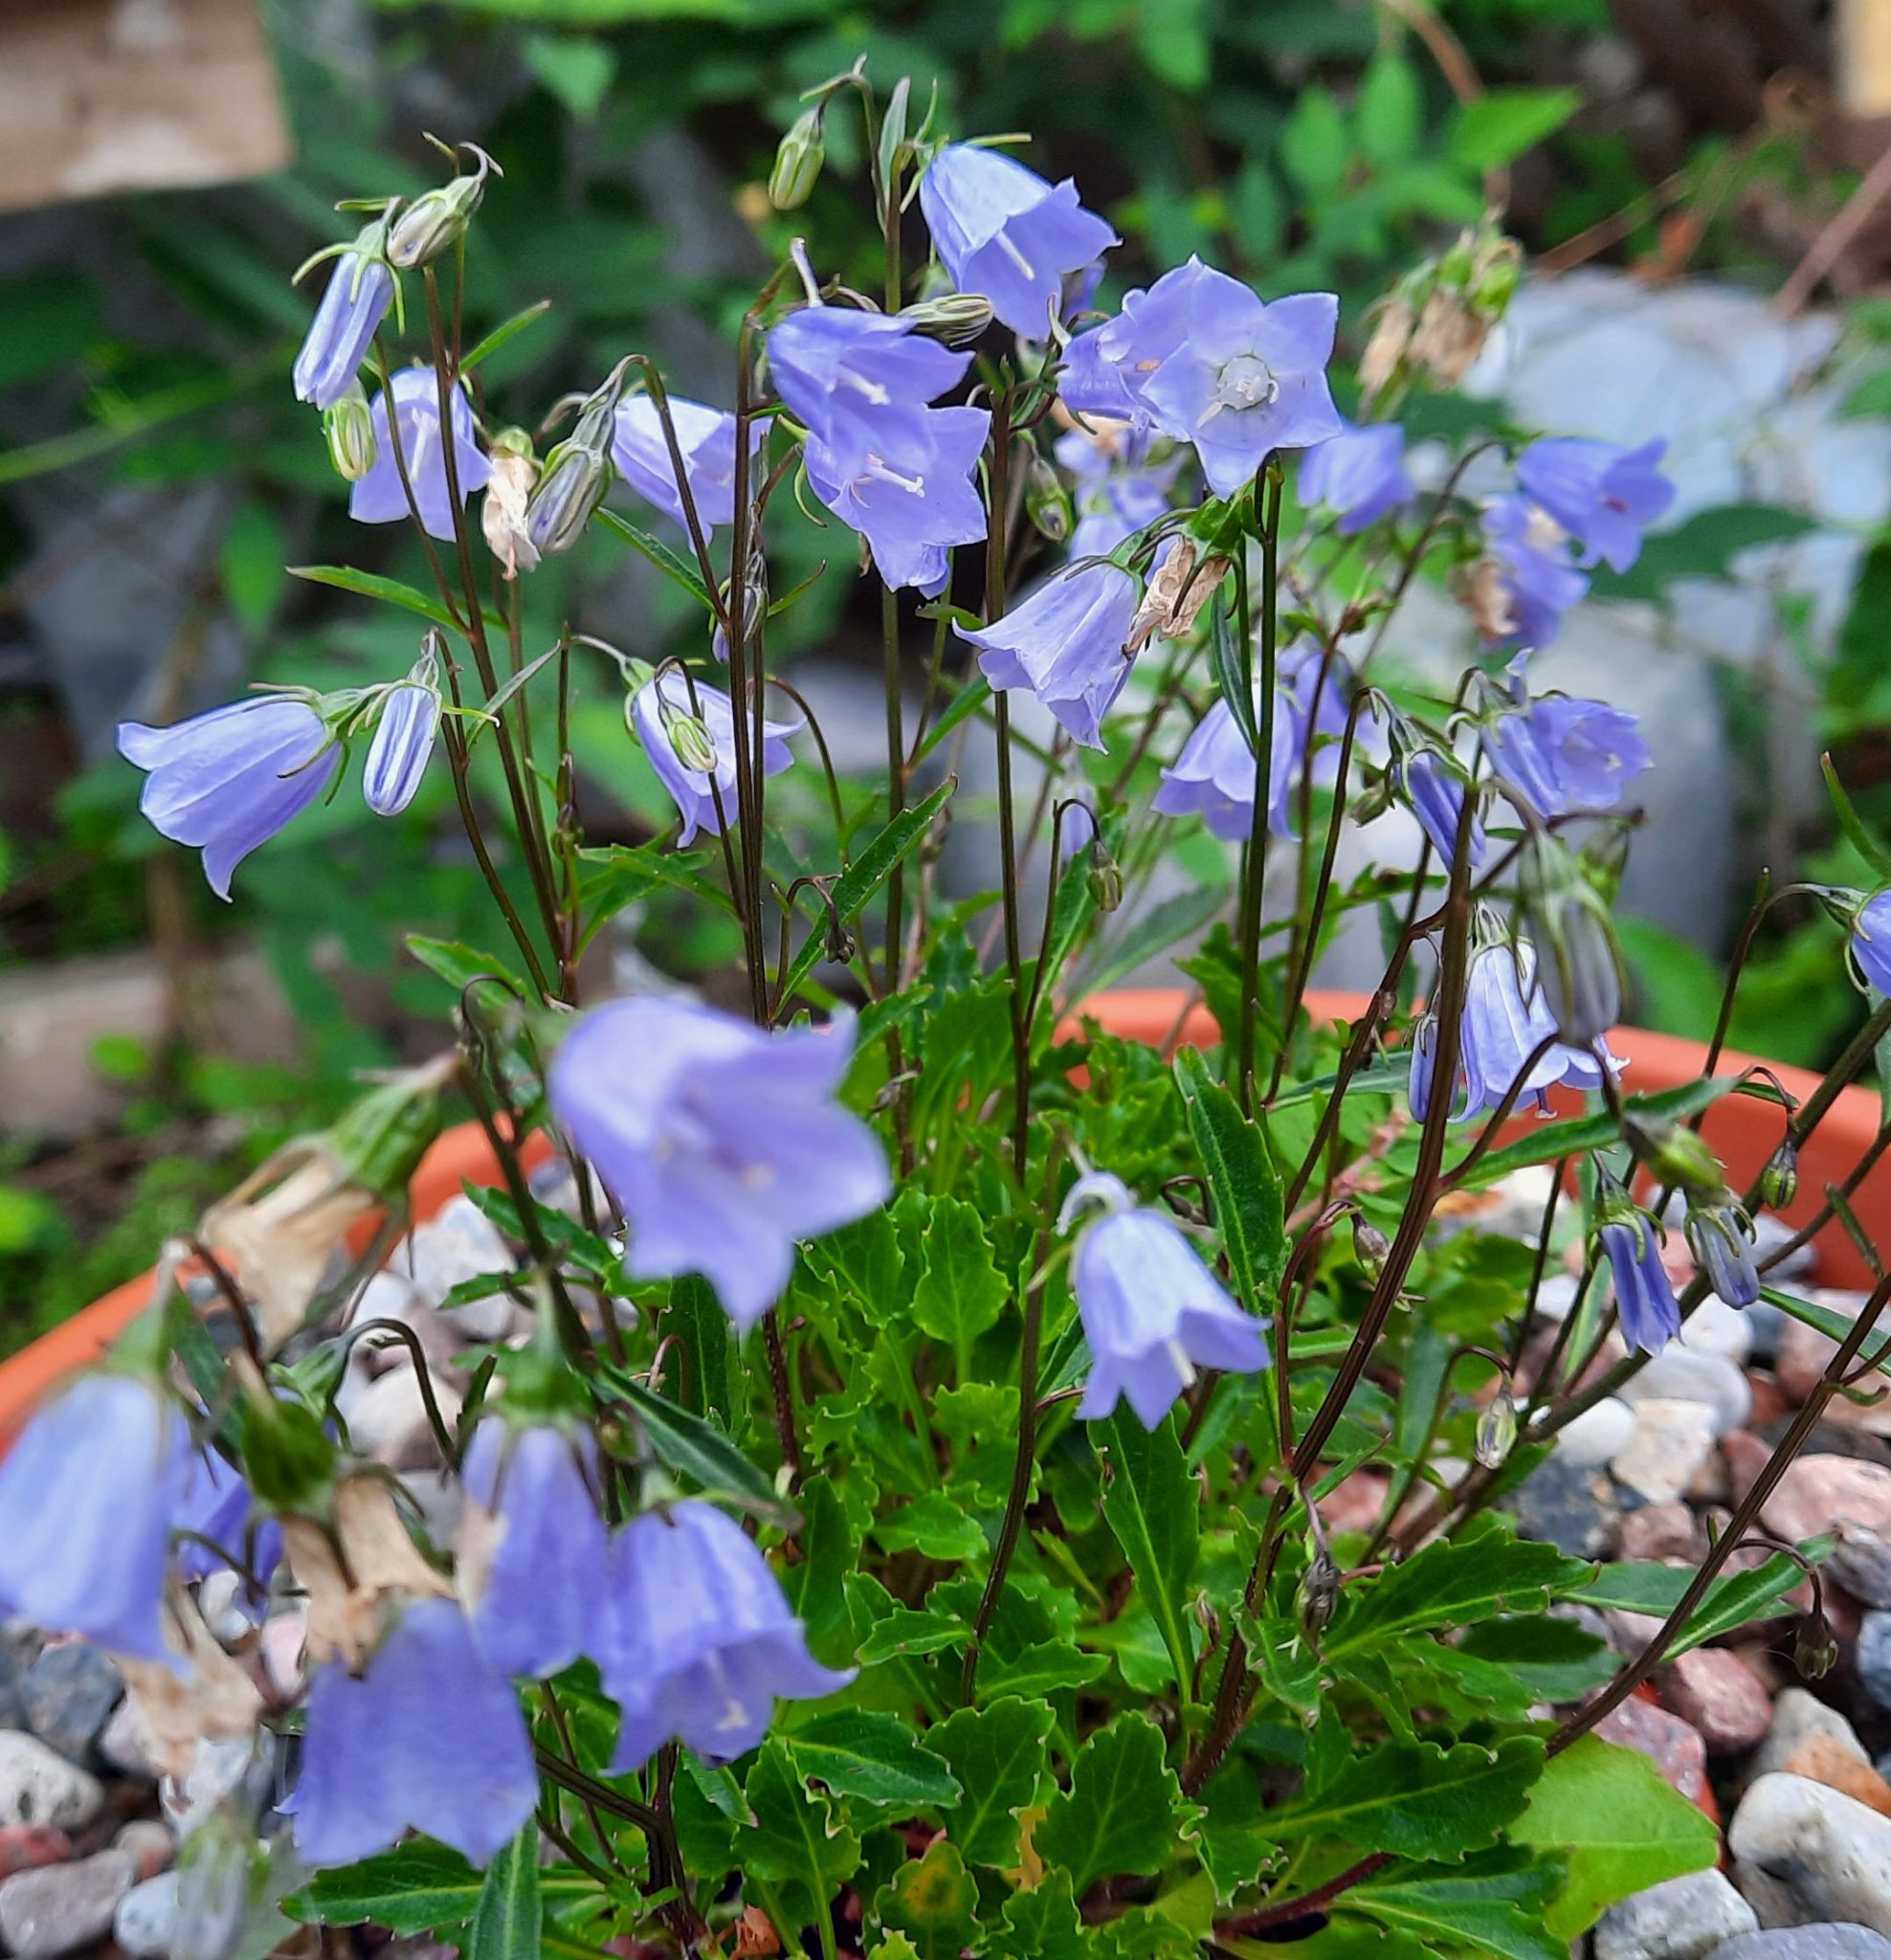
89,1494
724,1144
1581,966
425,1737
360,291
349,429
798,160
1603,495
687,729
1525,581
531,1541
1359,475
1434,791
515,469
706,437
1645,1306
699,1641
1118,492
576,474
1559,754
1066,642
1152,1313
1870,945
1720,1235
404,738
1003,230
380,497
227,781
437,220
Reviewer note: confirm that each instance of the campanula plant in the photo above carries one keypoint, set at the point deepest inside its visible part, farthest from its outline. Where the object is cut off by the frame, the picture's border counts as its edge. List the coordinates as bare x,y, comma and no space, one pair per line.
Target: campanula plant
905,1505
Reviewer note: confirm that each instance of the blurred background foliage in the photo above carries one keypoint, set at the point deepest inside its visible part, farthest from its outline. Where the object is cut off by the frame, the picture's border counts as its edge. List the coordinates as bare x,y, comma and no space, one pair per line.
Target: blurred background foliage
149,445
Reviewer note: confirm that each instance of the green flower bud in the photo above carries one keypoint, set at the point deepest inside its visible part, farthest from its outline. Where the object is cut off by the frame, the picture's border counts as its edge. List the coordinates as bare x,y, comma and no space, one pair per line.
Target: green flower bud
376,1145
1104,879
1319,1592
1675,1156
1046,501
1497,1431
1579,963
798,161
349,429
1371,1247
1779,1181
437,220
1814,1646
287,1456
957,319
690,739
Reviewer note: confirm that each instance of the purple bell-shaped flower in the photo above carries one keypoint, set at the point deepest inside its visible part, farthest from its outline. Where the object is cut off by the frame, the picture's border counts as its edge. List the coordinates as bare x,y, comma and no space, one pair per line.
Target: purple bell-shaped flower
359,292
1603,495
1645,1306
1435,795
707,438
228,781
724,1144
1152,1313
1562,754
1527,582
1871,940
378,498
1003,230
428,1738
404,739
531,1544
1066,642
688,733
88,1496
1359,475
699,1641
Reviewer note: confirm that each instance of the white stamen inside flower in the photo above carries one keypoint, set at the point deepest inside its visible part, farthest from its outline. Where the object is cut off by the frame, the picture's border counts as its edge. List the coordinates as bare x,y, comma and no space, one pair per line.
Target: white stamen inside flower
1245,382
876,470
734,1715
1543,533
1185,1368
1008,245
871,390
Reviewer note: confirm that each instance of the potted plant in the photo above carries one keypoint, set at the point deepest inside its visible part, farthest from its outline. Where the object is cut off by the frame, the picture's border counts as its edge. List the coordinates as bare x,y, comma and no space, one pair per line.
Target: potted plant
893,1521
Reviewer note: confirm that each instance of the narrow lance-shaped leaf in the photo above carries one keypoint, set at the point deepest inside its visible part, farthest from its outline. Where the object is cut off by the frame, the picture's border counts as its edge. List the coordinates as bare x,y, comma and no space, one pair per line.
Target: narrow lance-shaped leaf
1153,1506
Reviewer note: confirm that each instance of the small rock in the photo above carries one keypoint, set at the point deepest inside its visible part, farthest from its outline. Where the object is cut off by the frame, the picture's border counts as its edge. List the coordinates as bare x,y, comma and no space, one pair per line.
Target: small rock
1683,1374
37,1786
1806,1943
61,1906
1596,1435
1671,1442
1355,1502
1804,1353
1872,1658
1825,1759
1683,1919
1675,1748
1714,1328
1819,1492
458,1242
1568,1506
1658,1533
1629,1633
124,1743
1860,1562
69,1694
1766,1323
1796,1718
1715,1691
1804,1853
22,1846
150,1841
387,1421
1556,1296
146,1918
1745,1456
1770,1233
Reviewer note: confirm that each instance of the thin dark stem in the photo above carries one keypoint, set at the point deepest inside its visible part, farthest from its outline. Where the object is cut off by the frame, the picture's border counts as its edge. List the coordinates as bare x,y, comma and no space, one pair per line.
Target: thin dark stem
1306,1904
783,1387
1253,868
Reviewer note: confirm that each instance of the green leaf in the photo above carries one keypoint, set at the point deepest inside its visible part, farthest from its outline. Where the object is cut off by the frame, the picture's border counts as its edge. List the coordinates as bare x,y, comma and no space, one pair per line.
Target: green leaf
865,1262
47,321
1418,1800
390,591
1730,1602
1231,678
866,1754
1498,127
1390,110
998,1754
418,1887
1869,846
1619,1823
508,1922
1452,1583
1315,147
1576,1134
1153,1506
1830,1322
1045,1667
671,563
493,342
250,563
1242,1179
460,965
1120,1814
816,1587
856,886
1041,1923
1493,1910
910,1631
692,1447
701,1326
1174,38
799,1849
933,1901
959,1292
935,1525
1555,1659
575,69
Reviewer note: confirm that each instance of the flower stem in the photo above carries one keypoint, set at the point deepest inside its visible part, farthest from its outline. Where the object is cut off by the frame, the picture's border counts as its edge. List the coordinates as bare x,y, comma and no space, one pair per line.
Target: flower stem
1254,866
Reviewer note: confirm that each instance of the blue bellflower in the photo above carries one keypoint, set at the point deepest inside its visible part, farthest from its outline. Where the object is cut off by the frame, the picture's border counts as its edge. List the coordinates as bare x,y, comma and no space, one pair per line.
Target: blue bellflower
88,1497
532,1544
429,1738
1603,495
1359,475
1066,642
1645,1306
1152,1313
1003,230
228,781
1116,492
707,438
668,725
404,739
699,1641
1435,796
1527,555
722,1143
1562,754
217,1505
378,498
359,290
1721,1237
1871,940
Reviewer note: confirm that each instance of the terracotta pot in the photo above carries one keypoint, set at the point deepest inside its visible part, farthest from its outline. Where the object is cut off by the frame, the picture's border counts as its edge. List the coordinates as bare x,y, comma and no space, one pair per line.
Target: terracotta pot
1741,1128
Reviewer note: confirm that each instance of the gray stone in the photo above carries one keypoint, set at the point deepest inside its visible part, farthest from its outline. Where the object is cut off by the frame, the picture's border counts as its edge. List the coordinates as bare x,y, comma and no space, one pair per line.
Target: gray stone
69,1694
38,1786
59,1906
1571,1507
124,1745
1714,1328
150,1841
1873,1658
1766,1323
1686,1374
1831,1941
388,1420
1684,1919
1804,1853
1671,1443
1799,1717
458,1242
146,1916
1595,1435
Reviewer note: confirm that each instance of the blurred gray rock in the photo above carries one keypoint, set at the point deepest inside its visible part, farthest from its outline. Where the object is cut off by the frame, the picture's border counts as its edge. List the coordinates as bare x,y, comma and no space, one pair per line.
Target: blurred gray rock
1799,1717
1670,1443
68,1695
59,1906
39,1786
1683,1919
1805,1853
1569,1506
1829,1942
1687,1375
146,1918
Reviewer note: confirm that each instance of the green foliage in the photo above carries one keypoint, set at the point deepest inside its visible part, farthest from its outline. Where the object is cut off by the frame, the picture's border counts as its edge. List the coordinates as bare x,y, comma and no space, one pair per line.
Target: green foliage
1120,1811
